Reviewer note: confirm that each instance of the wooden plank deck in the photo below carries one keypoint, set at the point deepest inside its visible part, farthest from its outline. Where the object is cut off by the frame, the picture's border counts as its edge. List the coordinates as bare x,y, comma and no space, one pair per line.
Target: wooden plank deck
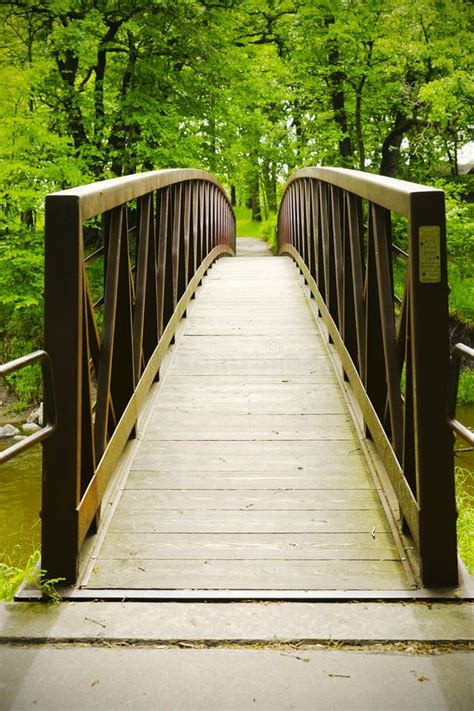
249,475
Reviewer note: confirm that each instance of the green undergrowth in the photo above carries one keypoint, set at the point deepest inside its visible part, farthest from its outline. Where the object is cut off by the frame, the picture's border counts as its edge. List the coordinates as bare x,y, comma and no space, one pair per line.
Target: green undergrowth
246,227
465,521
12,577
466,388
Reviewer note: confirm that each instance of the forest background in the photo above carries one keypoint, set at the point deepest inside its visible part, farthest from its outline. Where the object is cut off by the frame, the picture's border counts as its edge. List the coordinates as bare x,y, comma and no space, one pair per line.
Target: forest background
247,89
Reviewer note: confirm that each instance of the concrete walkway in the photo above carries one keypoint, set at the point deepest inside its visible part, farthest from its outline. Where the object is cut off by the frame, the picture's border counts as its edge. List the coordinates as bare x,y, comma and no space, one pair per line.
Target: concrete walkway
237,656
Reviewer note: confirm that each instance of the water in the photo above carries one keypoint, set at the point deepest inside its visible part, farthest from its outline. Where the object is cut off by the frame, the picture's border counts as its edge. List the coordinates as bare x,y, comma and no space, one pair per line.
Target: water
20,503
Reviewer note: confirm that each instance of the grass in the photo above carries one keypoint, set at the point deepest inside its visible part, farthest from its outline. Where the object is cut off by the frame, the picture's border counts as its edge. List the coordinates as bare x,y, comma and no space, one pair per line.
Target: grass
461,295
465,522
246,227
466,387
12,577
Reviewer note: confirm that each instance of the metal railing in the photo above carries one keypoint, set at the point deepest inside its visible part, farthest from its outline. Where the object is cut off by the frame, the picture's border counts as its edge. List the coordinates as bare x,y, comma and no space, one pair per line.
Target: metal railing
459,351
157,235
49,406
337,226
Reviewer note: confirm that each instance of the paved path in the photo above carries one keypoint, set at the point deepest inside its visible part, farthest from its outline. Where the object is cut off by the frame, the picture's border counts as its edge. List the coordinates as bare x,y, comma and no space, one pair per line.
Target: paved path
278,656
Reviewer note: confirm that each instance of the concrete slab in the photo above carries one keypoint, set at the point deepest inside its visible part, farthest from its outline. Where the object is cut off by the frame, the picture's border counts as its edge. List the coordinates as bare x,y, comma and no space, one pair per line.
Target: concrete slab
149,678
234,622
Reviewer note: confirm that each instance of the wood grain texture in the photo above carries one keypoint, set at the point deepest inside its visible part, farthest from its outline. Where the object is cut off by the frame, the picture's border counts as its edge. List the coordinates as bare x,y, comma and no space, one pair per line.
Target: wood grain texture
253,574
183,425
193,478
245,546
249,474
268,521
250,499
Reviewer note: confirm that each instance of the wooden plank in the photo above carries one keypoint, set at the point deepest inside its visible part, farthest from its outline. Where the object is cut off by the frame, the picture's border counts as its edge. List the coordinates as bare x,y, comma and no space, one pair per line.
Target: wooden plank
246,366
243,500
277,320
183,425
249,381
228,399
243,546
286,452
277,575
188,461
248,521
239,347
233,302
171,475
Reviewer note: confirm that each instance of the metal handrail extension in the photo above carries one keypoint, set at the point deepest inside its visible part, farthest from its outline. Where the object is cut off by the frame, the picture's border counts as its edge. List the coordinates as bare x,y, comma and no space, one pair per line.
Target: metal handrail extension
49,403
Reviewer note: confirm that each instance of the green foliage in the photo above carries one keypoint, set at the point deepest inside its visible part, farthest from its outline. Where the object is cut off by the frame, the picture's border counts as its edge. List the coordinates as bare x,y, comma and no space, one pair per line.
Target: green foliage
249,90
21,307
12,577
266,229
461,296
246,227
465,521
269,232
459,222
466,387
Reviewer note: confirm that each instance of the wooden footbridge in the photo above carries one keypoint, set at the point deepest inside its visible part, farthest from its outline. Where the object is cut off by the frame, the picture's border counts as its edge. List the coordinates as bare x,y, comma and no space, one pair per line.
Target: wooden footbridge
248,427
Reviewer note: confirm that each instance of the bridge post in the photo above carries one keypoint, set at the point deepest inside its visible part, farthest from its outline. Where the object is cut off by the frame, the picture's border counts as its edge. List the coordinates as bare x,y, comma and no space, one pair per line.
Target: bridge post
63,295
430,367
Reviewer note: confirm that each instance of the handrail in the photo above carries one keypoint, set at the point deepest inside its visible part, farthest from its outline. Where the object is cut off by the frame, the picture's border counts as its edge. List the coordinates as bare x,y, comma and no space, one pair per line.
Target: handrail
459,351
160,231
396,361
49,406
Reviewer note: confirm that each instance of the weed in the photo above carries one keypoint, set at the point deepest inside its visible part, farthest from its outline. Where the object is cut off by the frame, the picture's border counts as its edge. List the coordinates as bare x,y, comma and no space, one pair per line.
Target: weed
465,521
246,227
466,387
12,577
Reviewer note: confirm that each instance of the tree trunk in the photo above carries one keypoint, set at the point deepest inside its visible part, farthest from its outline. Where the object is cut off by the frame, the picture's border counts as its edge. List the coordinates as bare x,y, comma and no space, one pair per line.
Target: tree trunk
336,85
254,196
391,146
269,186
68,70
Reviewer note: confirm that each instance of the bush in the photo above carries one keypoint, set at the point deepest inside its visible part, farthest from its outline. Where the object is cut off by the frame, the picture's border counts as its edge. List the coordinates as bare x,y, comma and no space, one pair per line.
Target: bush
465,521
269,232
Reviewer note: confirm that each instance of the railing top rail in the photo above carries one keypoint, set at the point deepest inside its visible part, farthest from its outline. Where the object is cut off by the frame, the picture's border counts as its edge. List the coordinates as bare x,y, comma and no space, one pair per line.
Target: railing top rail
100,197
391,193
